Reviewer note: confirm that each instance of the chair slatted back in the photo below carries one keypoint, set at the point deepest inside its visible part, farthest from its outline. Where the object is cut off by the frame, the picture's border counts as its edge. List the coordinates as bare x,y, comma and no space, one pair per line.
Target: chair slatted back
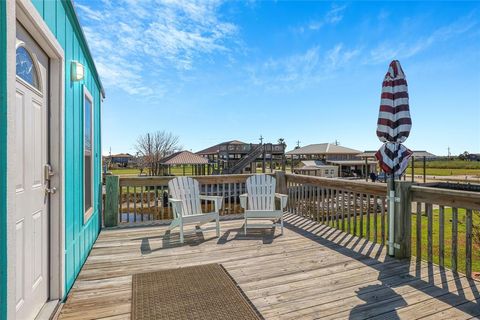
261,192
187,190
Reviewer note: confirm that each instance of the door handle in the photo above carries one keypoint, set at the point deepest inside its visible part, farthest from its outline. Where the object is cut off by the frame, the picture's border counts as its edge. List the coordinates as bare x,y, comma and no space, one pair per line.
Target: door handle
50,190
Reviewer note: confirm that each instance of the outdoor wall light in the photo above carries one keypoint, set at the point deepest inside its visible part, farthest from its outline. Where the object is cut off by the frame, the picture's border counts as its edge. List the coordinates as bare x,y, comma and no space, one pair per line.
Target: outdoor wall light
78,71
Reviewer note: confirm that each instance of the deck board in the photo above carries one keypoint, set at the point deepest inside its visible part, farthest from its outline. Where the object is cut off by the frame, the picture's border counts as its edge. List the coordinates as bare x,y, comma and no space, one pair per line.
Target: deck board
312,271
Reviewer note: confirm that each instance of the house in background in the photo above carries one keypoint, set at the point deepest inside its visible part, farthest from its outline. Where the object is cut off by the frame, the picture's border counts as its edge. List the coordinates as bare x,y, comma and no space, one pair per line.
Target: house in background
474,157
50,160
120,159
233,157
346,159
317,168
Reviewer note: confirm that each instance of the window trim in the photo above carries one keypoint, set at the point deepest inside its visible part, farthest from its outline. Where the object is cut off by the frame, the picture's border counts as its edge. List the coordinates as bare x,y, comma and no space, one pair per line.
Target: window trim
87,214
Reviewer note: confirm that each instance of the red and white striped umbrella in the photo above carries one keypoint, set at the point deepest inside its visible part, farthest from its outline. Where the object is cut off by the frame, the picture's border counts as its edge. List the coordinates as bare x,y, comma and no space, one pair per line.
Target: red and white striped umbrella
394,122
393,157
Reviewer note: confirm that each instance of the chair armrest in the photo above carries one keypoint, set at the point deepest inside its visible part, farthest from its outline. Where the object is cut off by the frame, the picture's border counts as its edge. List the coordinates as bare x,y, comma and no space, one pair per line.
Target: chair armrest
243,201
283,200
216,199
177,207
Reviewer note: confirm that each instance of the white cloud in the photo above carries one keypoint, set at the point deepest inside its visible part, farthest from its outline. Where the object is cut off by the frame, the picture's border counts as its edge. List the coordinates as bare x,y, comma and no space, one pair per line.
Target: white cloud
331,17
135,40
89,13
301,70
338,56
400,48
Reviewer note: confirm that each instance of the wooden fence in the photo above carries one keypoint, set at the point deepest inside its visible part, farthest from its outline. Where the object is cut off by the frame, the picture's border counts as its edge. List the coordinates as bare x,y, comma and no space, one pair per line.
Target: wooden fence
436,225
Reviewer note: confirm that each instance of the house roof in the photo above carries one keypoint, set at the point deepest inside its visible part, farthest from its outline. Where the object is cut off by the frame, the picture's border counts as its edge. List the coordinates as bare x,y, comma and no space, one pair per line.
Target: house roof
216,148
313,163
418,153
351,162
314,168
323,148
183,157
121,155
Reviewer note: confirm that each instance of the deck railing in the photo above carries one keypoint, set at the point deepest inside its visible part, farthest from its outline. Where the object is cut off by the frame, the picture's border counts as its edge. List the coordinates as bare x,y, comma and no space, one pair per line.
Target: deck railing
145,199
452,220
437,225
356,207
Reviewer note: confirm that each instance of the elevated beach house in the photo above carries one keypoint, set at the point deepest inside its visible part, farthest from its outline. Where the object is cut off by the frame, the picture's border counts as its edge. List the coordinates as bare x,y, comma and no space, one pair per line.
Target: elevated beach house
50,160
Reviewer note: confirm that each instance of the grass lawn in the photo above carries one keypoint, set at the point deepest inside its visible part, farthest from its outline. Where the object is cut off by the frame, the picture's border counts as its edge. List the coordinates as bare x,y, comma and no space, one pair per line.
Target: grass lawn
124,171
447,168
177,171
444,172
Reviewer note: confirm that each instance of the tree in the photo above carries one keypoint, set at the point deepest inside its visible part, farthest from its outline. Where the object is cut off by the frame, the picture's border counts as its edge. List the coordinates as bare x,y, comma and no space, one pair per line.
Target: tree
282,142
152,147
464,155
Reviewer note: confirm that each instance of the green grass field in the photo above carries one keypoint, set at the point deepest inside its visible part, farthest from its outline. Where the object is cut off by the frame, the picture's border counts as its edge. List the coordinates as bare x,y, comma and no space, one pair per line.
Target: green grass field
445,172
177,171
447,168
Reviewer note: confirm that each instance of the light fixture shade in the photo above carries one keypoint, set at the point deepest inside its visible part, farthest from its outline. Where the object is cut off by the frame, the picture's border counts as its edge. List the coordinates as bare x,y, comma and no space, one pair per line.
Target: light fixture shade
78,71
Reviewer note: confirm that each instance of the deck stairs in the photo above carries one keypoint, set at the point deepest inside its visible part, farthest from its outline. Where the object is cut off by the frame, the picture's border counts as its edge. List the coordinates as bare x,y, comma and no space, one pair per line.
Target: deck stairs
244,161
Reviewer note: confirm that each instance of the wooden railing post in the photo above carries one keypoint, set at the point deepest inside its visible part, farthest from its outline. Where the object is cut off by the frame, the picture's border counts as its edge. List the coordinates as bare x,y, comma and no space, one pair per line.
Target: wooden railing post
111,201
281,182
403,220
281,185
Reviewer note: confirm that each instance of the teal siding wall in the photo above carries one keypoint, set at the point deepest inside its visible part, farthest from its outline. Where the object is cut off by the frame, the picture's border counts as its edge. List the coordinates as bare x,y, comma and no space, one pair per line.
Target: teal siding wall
79,235
3,160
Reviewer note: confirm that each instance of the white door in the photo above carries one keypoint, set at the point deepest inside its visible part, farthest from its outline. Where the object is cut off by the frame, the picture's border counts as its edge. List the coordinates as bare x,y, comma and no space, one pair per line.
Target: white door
32,218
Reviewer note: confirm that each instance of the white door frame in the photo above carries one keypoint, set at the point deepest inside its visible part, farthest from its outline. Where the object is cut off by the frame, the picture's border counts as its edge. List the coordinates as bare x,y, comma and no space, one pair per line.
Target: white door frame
27,14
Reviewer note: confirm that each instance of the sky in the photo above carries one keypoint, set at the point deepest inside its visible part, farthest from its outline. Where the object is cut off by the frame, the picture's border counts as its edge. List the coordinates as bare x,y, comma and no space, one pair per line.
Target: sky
213,71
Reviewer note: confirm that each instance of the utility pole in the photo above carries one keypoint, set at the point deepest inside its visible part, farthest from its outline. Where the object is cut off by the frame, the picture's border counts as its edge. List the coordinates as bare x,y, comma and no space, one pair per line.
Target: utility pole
449,153
261,139
298,144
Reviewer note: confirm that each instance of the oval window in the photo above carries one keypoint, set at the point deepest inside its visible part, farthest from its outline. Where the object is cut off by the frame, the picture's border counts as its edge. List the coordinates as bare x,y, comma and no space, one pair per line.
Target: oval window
26,68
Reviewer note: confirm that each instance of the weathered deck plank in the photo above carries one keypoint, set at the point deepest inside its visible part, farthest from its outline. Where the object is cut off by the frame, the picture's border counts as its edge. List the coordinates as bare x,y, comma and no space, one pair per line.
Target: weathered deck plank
313,271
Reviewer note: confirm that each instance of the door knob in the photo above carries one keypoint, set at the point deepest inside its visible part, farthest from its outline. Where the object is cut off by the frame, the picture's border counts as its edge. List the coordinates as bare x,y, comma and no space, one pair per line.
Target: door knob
50,190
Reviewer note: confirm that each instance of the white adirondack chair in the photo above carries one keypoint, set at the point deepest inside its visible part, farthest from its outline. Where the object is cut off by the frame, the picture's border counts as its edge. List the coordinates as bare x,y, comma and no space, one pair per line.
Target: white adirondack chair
186,205
259,202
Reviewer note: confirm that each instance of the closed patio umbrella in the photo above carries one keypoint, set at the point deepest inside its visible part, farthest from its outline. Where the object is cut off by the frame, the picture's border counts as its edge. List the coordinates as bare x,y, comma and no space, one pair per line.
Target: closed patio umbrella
393,128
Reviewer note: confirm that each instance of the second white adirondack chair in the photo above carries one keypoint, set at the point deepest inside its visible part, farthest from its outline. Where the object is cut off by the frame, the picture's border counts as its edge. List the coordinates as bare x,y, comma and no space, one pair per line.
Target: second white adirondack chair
186,205
259,202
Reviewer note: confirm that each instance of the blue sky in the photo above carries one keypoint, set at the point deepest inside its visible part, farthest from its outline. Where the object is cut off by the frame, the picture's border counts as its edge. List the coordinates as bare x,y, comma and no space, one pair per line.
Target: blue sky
211,71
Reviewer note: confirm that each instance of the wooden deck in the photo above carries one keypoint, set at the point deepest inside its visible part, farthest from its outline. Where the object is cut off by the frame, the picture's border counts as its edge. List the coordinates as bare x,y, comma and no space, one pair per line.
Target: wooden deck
312,271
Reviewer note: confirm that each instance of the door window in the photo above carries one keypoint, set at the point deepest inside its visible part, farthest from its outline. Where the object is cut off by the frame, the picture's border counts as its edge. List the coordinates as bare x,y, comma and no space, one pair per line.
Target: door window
25,68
